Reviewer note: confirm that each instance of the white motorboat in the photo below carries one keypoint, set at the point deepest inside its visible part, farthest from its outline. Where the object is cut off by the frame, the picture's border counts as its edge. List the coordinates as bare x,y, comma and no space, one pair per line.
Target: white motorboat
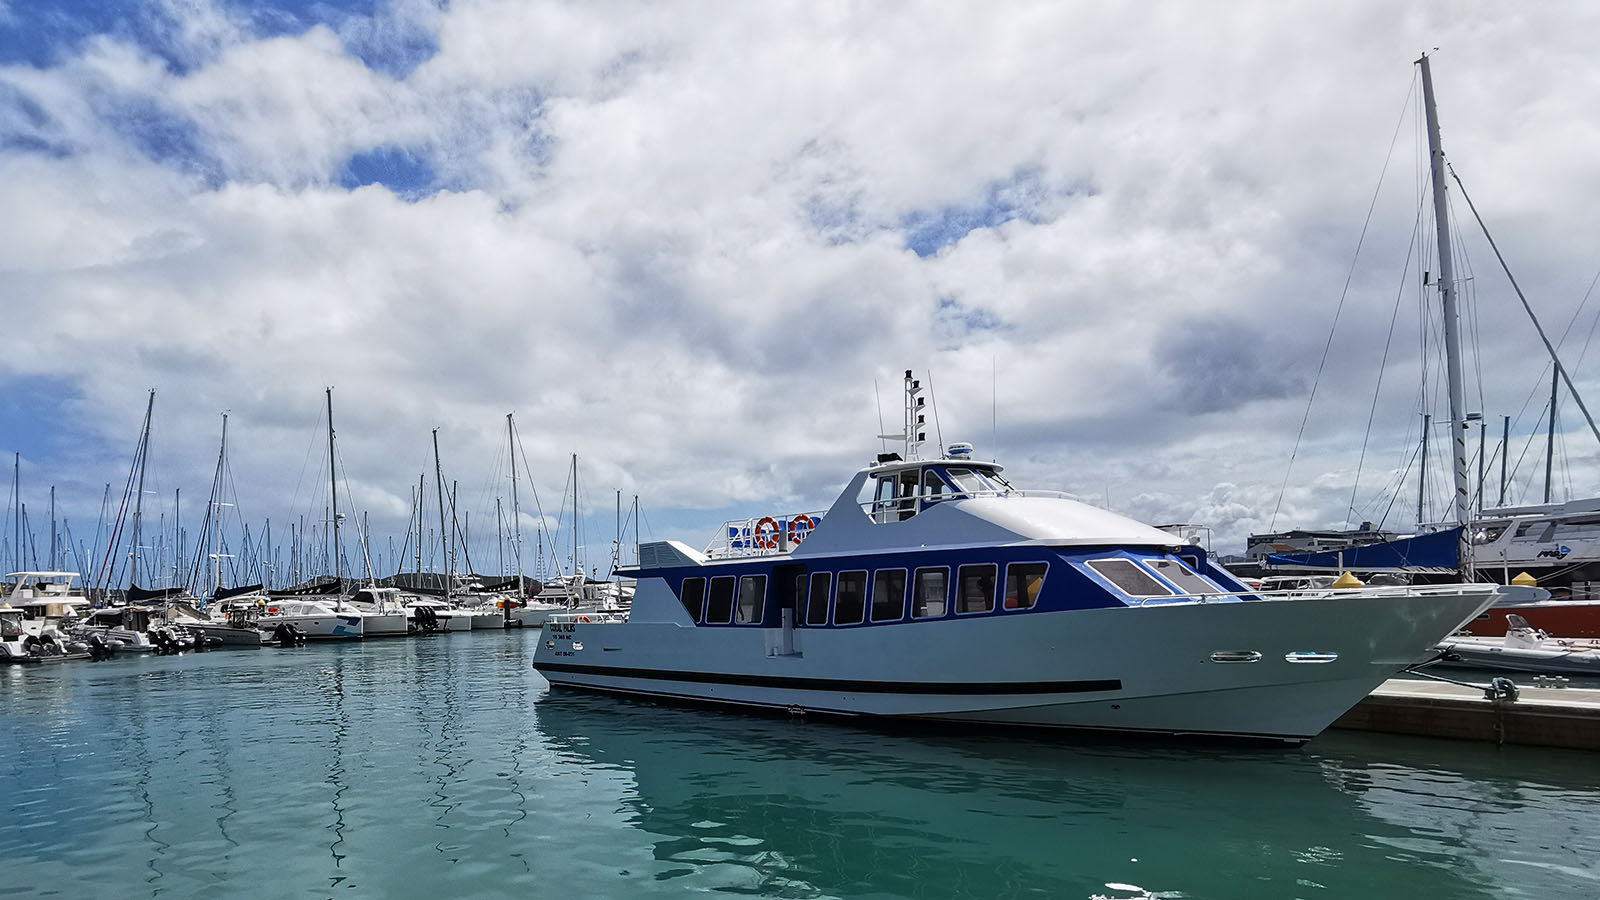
124,627
383,610
1523,649
950,595
428,614
318,618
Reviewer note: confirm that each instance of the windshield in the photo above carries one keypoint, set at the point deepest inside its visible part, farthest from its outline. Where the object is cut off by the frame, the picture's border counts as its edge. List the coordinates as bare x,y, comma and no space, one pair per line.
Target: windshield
976,482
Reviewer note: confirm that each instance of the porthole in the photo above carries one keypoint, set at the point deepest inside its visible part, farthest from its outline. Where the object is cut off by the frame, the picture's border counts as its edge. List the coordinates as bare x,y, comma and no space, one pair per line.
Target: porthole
1236,656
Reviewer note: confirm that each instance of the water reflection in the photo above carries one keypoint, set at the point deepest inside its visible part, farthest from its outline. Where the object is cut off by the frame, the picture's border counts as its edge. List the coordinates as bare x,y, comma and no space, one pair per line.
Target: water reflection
441,768
795,808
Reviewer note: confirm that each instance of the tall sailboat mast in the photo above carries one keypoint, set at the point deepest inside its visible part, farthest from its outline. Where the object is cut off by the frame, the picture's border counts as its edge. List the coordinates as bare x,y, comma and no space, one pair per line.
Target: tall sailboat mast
1452,320
138,497
333,491
216,511
516,512
444,534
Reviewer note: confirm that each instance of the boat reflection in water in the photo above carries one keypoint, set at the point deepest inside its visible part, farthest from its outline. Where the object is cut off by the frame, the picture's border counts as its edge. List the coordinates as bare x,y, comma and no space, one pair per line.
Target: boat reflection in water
805,808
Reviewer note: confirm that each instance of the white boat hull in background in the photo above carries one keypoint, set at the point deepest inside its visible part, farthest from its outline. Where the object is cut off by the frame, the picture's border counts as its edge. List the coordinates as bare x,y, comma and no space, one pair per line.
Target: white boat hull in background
321,626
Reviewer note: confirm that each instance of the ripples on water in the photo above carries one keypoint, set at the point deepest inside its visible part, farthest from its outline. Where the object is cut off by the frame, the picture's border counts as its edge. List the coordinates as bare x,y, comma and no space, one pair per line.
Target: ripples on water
441,767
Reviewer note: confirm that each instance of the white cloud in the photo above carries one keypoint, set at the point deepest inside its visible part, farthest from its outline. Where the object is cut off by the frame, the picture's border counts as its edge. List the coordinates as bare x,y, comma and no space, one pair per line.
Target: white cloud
672,238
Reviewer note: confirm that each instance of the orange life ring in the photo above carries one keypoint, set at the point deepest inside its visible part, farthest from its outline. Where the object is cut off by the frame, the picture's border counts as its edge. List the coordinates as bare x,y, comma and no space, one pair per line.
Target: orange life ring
797,533
766,539
583,618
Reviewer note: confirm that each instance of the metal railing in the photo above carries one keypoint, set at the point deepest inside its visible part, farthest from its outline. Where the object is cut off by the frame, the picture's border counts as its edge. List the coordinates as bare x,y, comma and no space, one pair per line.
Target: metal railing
762,535
898,509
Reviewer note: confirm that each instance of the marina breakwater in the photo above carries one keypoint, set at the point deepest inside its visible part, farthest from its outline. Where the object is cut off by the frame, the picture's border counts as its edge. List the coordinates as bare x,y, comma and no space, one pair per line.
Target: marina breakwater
447,768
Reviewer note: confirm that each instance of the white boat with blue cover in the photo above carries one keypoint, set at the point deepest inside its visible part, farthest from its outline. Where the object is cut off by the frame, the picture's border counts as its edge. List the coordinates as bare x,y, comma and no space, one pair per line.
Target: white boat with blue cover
934,590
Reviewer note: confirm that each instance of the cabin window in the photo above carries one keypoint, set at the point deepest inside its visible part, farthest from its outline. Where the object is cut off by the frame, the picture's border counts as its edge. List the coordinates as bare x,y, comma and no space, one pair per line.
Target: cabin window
693,597
817,601
1187,580
1023,581
752,590
719,607
896,498
799,601
975,588
1129,578
889,595
850,603
932,487
932,586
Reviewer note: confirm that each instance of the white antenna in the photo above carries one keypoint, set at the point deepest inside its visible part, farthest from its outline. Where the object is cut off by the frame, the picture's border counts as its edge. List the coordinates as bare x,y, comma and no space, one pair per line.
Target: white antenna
994,408
879,400
938,432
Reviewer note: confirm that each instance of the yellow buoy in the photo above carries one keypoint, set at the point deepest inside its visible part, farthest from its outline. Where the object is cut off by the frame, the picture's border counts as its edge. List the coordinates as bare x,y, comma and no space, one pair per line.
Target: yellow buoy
1523,579
1347,581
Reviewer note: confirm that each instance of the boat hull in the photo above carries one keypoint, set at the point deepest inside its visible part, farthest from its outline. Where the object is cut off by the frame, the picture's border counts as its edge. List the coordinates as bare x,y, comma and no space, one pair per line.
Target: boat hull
1166,669
228,635
385,625
332,627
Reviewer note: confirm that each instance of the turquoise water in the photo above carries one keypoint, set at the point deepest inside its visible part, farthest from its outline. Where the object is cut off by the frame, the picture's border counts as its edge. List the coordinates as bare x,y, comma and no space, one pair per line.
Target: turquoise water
442,767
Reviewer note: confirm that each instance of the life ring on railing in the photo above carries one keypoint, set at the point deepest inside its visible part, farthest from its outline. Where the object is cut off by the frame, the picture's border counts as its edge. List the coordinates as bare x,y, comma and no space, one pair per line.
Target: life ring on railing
797,532
766,539
583,618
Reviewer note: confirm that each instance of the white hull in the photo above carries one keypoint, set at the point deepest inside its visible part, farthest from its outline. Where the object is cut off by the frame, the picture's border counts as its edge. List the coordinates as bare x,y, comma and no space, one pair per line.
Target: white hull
228,635
1146,669
337,626
384,625
485,620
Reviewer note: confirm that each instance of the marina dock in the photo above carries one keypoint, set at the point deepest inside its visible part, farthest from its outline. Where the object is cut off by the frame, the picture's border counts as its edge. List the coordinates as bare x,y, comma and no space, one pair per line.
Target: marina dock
1540,716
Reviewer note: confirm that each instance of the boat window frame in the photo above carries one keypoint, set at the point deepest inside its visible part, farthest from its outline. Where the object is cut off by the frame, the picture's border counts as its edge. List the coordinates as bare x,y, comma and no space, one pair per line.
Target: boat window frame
872,598
838,589
916,576
826,598
994,586
1006,582
733,581
761,599
1212,588
1089,566
698,614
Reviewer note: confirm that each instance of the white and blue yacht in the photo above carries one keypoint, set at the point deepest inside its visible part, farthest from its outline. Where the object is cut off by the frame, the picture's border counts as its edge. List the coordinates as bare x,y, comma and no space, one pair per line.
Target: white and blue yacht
935,590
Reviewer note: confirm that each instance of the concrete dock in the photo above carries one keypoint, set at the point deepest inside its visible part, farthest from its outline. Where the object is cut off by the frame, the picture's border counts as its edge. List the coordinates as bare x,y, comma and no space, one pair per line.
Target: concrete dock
1539,717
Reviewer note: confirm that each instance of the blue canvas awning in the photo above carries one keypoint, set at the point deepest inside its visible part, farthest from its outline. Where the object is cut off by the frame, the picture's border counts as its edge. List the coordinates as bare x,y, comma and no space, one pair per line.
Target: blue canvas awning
1437,553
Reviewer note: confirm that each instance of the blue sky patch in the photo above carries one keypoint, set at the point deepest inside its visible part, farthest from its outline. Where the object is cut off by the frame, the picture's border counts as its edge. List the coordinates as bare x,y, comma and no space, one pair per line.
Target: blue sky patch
405,172
31,417
955,321
1019,196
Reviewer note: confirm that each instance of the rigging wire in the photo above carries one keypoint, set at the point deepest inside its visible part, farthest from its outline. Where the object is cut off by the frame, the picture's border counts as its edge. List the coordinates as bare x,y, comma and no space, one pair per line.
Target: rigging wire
1384,363
1343,295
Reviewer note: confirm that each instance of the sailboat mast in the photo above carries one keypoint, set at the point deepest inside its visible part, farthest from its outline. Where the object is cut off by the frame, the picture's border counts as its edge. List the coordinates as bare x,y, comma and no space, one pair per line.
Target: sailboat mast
1550,435
333,492
575,569
1452,320
444,534
516,514
216,511
138,497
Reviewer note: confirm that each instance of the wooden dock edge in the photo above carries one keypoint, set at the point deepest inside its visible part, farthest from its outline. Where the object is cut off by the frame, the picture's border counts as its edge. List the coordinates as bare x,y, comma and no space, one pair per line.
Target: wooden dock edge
1540,717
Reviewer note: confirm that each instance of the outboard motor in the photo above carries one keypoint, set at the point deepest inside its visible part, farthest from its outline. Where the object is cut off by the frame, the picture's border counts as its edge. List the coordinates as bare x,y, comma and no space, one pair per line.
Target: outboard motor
287,635
99,649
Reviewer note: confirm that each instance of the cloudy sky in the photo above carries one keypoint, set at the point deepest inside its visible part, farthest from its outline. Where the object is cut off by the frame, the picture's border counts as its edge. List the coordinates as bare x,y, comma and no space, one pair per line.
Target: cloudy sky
685,241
